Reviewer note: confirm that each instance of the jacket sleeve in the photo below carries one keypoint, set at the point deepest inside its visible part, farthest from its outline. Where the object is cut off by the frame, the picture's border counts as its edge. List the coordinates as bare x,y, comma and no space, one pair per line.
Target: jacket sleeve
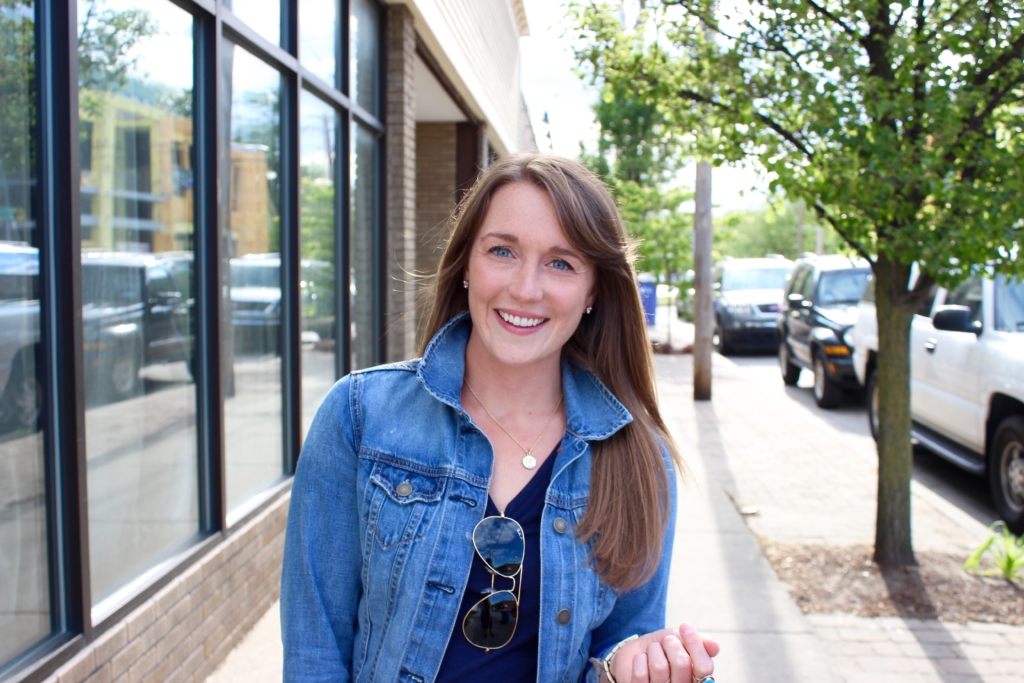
321,575
642,610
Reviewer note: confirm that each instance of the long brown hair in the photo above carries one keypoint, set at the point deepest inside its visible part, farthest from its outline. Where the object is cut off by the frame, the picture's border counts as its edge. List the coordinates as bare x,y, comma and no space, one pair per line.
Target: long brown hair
629,506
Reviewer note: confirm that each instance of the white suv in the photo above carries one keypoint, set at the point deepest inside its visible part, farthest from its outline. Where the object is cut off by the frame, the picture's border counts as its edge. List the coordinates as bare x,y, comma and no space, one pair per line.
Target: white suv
966,381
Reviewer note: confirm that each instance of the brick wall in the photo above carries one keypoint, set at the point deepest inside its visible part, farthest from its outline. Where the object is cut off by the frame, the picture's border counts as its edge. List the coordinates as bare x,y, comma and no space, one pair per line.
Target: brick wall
435,201
184,631
400,197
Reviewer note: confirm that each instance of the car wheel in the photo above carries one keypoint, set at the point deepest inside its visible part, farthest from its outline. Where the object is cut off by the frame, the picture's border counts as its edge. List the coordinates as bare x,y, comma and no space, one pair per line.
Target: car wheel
720,340
123,377
826,393
1006,472
790,372
872,396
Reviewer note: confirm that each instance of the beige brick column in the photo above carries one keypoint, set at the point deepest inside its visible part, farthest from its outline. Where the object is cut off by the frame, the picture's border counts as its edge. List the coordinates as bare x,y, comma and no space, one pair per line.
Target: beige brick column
400,190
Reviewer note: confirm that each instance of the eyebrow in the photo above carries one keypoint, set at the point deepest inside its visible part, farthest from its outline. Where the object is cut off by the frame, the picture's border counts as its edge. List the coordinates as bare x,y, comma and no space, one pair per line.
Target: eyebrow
508,237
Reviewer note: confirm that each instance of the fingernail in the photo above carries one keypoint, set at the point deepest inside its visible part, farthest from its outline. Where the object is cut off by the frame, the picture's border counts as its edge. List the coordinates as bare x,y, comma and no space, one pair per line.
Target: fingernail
687,629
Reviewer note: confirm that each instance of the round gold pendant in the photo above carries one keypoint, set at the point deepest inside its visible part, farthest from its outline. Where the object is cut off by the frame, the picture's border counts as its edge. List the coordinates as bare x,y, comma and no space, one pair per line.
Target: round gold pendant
529,462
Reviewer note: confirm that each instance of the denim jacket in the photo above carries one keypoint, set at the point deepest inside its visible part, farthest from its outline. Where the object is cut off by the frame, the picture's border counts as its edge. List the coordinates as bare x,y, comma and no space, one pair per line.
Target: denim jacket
392,479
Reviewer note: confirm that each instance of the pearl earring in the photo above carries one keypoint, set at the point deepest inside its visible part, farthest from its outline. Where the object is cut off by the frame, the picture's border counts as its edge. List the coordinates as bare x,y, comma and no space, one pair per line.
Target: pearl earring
465,284
589,309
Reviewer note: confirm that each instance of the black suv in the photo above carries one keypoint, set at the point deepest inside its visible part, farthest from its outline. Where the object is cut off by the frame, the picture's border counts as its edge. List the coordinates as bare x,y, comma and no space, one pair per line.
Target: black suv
819,307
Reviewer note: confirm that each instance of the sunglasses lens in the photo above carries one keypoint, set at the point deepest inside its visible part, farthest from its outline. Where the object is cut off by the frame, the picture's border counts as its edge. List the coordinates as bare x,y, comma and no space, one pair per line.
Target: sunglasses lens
499,540
491,622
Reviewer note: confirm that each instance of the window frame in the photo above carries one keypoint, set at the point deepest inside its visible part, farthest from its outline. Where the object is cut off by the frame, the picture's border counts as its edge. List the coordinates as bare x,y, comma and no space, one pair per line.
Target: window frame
59,238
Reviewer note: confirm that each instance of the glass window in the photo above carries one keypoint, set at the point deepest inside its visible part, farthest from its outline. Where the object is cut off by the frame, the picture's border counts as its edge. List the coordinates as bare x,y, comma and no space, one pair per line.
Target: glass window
925,307
841,287
364,66
318,38
1009,301
362,244
968,294
262,16
24,566
319,325
735,279
135,99
807,285
251,226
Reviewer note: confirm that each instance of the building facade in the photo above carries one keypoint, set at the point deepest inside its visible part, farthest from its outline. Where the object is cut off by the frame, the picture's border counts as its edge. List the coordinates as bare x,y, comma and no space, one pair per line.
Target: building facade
210,210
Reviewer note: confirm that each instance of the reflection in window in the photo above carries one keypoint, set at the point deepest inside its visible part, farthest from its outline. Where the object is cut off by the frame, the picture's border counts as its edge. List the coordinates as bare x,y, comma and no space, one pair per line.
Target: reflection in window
317,145
364,67
968,294
364,165
841,287
318,38
263,16
252,236
135,99
24,569
1009,306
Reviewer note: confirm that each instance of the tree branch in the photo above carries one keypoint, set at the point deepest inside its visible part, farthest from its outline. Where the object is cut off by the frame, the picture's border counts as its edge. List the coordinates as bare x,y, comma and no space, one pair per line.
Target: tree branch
769,122
1013,54
823,213
834,19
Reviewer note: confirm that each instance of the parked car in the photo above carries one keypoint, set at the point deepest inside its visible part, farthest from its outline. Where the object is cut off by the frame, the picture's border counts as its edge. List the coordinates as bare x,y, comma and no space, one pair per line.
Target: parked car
818,309
746,296
21,394
966,382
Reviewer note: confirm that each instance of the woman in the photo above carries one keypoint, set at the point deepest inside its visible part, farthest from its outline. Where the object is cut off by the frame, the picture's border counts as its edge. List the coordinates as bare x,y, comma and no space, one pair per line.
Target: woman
503,506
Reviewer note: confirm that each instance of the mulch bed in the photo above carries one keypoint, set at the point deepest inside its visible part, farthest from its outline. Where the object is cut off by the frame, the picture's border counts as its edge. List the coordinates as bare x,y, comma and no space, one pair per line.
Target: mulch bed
829,579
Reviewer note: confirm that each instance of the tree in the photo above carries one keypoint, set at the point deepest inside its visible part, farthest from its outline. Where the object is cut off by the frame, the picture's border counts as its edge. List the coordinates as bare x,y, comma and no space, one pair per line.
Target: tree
636,155
770,229
900,122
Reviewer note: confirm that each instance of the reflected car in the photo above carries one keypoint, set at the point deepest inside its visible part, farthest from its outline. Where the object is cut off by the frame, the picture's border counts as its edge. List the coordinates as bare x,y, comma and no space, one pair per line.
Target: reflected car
21,394
814,324
256,302
747,294
136,311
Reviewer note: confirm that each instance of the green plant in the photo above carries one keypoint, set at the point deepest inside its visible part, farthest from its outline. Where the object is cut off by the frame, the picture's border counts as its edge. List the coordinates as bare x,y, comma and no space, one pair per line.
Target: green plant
1006,551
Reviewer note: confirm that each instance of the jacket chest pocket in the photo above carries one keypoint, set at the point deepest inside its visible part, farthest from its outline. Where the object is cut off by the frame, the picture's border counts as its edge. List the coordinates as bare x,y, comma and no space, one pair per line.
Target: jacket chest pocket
403,504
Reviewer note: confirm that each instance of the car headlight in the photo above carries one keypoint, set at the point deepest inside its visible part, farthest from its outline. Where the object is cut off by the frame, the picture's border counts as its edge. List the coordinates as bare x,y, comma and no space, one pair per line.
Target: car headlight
740,309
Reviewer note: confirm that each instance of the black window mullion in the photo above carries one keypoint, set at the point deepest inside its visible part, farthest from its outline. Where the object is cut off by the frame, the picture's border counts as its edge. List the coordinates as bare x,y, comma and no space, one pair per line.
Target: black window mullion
60,267
291,361
343,227
344,53
207,351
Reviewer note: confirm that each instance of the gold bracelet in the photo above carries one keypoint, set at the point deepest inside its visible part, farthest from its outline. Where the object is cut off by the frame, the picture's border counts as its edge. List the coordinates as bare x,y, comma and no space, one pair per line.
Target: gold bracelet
606,663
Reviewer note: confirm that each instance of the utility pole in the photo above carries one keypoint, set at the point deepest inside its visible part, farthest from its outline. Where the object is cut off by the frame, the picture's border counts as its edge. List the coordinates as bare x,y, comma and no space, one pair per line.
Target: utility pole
703,314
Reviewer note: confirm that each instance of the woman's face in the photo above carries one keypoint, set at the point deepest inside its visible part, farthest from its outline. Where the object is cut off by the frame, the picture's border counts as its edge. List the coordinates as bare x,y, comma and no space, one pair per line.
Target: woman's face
528,288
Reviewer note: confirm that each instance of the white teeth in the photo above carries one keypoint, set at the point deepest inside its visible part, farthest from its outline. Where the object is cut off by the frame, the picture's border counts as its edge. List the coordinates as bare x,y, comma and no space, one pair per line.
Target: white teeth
520,322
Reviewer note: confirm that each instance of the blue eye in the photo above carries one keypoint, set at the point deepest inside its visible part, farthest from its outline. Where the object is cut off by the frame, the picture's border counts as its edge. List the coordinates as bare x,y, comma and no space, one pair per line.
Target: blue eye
500,251
559,264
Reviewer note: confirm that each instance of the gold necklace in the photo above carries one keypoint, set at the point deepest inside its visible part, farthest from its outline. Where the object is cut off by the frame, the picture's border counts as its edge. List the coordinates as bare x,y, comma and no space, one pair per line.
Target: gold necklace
529,462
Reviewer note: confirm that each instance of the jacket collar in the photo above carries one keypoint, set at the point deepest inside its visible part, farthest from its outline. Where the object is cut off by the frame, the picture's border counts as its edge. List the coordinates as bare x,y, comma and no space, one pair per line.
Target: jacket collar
591,411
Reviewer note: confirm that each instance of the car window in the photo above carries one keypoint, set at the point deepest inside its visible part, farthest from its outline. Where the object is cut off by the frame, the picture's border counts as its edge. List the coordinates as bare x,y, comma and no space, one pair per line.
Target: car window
736,279
841,286
807,285
925,307
968,294
110,285
869,291
255,275
1009,300
159,281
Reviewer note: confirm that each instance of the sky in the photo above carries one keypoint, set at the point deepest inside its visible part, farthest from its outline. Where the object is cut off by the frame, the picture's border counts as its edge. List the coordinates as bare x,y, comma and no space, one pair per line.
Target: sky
550,85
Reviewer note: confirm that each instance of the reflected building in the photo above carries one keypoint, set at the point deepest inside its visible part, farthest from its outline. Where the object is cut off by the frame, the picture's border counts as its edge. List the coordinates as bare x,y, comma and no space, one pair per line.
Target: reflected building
199,235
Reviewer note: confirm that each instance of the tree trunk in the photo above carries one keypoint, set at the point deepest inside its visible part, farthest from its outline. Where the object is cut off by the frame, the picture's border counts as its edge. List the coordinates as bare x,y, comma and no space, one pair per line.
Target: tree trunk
893,547
703,315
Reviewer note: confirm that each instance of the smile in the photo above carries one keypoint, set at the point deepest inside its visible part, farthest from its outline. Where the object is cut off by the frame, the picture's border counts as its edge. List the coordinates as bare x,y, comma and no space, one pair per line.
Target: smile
520,322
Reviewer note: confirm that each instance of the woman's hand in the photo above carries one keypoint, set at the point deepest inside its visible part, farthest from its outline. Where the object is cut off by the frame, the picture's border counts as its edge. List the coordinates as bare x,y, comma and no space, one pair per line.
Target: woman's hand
666,656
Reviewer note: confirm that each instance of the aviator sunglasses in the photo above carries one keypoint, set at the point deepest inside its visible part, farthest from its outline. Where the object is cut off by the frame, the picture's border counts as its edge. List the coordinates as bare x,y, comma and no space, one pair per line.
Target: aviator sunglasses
500,543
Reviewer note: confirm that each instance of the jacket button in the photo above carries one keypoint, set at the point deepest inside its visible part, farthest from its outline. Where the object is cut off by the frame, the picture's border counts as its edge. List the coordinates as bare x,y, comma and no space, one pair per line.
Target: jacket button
563,617
561,525
404,489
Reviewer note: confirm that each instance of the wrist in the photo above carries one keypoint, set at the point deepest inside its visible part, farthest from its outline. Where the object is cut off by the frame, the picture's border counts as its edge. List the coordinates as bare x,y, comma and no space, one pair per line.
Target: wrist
603,665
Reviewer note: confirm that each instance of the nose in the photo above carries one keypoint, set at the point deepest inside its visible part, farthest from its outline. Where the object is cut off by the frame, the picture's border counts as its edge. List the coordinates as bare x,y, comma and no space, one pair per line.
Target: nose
526,286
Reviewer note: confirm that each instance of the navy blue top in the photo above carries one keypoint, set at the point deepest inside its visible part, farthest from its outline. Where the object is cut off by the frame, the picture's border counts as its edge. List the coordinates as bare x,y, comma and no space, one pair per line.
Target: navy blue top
517,661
